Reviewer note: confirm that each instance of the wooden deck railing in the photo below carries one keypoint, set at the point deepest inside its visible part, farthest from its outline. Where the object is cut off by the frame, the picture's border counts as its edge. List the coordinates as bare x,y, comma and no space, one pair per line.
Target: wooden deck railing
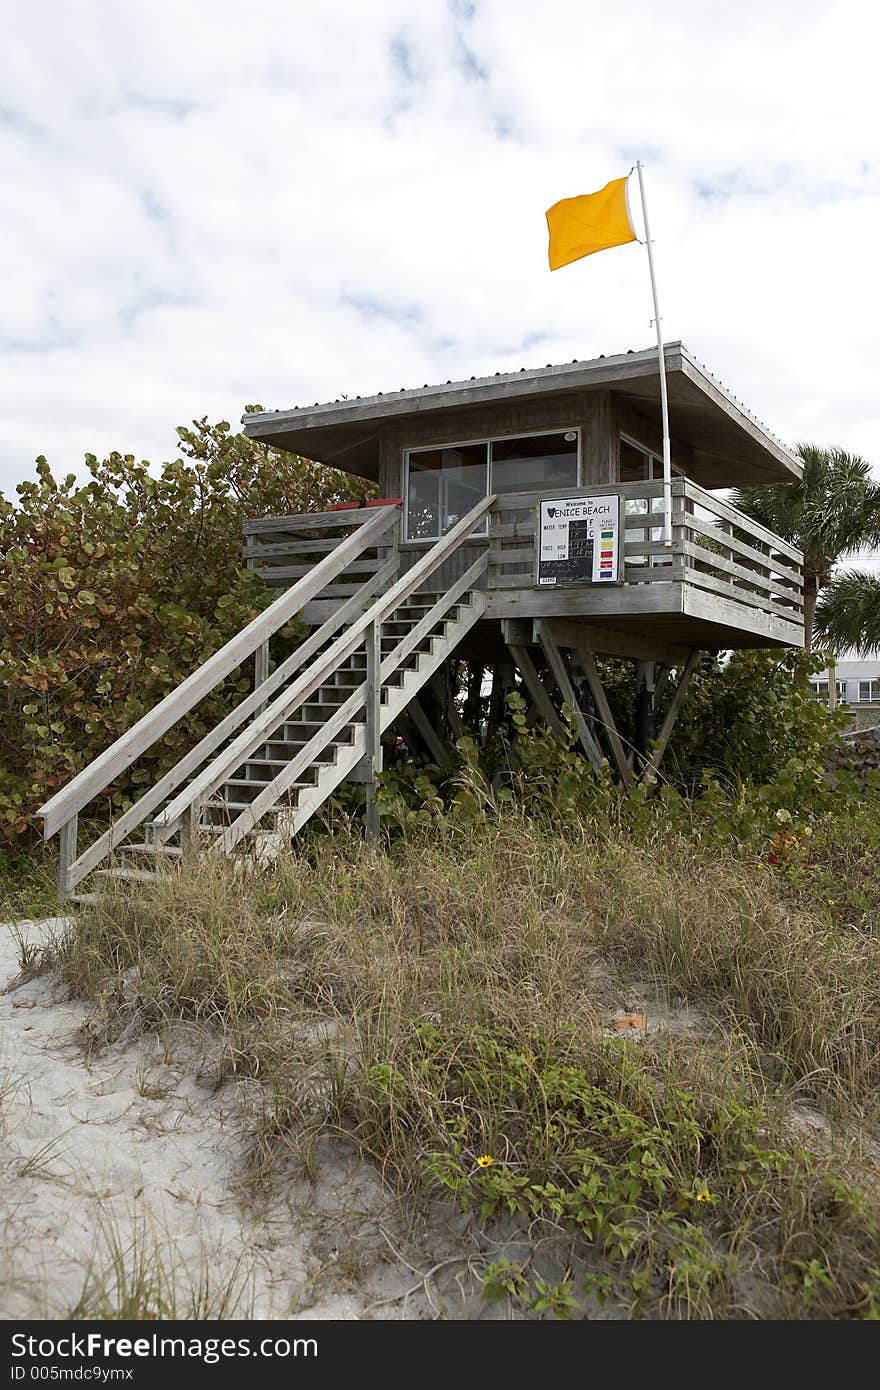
715,547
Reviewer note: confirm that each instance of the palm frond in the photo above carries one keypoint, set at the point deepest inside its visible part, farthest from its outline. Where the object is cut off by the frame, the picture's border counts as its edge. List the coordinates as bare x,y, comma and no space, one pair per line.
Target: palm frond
832,511
848,613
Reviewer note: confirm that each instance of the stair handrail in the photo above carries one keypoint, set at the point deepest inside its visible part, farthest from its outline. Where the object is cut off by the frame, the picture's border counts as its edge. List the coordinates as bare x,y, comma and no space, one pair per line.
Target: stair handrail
136,814
296,694
66,804
346,712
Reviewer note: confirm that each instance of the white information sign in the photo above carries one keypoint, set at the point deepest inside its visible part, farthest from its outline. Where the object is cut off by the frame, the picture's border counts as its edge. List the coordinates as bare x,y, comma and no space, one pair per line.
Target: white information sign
579,540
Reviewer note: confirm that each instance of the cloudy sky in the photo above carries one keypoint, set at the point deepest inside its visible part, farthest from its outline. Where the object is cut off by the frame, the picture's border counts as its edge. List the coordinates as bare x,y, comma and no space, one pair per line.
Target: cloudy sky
212,204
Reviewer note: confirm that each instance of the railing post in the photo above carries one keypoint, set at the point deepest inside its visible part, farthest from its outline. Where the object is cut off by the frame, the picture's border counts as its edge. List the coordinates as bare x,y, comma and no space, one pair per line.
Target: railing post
261,668
66,853
189,827
682,534
373,727
261,664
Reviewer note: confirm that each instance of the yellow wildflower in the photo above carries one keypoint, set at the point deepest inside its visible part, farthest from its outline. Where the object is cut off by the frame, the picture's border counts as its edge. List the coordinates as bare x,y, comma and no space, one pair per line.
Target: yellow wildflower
485,1161
704,1195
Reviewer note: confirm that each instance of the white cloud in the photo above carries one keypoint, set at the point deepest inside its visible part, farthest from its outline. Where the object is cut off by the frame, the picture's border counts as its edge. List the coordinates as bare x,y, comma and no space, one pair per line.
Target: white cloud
209,205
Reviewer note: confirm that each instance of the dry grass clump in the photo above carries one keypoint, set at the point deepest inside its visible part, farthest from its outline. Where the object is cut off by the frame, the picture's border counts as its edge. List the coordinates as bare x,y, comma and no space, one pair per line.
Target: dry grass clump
448,999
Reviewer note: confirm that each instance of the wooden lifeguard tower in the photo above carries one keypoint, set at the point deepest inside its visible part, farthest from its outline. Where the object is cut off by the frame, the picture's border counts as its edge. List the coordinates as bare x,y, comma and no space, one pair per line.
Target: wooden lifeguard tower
518,527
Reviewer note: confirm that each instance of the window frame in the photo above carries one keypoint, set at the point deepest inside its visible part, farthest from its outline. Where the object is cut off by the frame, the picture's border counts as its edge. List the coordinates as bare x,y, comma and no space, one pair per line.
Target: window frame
487,441
652,456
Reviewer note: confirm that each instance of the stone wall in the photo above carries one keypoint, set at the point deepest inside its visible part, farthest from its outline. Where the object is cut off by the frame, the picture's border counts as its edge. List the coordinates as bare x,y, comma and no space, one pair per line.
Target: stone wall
859,752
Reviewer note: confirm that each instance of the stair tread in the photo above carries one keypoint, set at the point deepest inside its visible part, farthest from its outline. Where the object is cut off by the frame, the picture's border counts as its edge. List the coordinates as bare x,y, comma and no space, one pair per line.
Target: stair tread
169,851
276,762
258,782
131,875
243,805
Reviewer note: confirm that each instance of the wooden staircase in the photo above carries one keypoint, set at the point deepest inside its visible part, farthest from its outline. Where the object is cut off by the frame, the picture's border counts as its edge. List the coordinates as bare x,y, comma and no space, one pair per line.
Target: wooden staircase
263,772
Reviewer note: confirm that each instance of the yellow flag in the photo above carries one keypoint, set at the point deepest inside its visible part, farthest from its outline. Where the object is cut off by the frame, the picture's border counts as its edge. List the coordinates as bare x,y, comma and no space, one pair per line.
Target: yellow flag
591,222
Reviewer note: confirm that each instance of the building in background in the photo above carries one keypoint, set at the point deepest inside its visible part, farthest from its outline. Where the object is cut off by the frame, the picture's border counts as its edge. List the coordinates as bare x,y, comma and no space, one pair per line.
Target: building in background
858,685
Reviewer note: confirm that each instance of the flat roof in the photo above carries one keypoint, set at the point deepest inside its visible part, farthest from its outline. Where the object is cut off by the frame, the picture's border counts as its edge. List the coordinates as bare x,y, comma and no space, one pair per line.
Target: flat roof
728,441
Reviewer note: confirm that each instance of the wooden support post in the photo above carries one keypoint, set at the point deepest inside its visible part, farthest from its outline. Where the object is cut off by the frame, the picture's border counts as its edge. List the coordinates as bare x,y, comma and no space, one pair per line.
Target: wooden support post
606,718
535,686
427,733
557,665
66,853
502,684
473,698
373,730
439,684
644,711
649,772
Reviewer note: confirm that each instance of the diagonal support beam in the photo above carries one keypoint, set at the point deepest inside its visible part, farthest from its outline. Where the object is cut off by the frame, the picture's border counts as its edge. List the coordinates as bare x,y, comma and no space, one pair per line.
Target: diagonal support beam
649,771
597,690
439,687
427,733
555,661
663,680
541,701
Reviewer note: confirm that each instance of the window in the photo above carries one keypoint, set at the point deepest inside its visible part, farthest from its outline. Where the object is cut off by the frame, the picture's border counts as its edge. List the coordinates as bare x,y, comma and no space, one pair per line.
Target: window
442,485
533,464
820,689
637,465
869,691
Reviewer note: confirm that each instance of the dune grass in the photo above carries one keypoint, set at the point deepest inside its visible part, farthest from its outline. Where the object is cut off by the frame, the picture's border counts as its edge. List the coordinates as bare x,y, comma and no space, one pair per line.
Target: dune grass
140,1275
450,998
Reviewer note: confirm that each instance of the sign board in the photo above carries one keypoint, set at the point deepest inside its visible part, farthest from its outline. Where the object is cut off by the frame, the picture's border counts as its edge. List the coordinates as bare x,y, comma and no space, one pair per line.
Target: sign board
579,540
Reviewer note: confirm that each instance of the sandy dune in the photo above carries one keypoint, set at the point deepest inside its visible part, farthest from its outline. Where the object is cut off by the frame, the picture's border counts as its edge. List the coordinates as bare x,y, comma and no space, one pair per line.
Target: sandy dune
125,1150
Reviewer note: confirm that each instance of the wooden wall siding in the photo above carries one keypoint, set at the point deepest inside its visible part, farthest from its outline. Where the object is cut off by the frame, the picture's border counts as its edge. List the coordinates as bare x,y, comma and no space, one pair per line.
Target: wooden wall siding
601,441
453,568
600,415
485,422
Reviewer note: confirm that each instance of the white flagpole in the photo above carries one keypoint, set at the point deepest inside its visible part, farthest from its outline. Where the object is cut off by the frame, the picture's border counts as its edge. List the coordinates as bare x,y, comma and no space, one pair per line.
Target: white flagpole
664,404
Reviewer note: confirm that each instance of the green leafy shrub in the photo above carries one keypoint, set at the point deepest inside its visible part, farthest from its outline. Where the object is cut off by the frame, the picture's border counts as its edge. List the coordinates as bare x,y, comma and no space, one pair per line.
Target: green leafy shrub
753,719
113,591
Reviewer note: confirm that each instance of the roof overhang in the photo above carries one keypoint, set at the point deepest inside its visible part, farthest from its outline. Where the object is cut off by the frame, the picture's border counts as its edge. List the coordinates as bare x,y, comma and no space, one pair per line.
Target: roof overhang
730,446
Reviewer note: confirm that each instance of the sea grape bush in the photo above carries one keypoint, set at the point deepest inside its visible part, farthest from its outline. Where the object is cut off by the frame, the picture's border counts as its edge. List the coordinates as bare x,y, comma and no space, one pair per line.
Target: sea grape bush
113,590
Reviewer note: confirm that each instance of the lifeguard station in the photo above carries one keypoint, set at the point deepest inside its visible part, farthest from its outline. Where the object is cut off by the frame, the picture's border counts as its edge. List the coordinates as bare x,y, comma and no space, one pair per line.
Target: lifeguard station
518,527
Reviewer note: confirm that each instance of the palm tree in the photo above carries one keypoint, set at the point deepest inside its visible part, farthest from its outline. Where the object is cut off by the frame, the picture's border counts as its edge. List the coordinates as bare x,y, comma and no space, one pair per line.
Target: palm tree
848,613
832,511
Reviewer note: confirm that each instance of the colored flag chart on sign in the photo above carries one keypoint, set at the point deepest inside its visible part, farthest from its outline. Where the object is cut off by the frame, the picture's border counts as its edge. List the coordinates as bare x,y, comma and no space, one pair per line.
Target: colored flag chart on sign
579,540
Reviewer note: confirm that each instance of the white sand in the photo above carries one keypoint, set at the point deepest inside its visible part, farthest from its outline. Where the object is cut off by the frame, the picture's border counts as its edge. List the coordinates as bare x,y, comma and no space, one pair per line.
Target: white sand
125,1145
